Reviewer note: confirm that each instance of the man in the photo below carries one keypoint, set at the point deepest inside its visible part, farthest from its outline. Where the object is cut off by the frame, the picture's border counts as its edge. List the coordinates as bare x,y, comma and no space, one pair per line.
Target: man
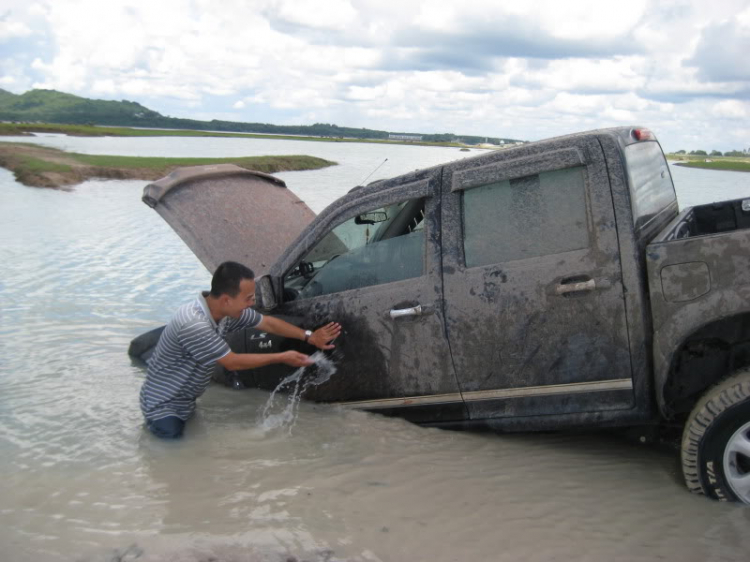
193,342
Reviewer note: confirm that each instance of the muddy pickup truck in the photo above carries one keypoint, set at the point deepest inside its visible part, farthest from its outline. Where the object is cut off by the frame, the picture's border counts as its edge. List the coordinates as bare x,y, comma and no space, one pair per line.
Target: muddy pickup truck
552,285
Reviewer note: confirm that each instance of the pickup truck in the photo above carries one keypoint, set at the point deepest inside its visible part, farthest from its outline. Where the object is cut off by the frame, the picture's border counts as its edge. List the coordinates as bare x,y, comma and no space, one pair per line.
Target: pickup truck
551,285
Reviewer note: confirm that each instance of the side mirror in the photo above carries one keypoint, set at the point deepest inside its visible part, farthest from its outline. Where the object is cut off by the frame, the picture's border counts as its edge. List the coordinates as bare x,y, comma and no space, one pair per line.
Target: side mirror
264,293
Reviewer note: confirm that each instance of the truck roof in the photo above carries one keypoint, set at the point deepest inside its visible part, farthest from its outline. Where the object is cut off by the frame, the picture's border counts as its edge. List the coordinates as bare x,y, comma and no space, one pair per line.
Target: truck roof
623,136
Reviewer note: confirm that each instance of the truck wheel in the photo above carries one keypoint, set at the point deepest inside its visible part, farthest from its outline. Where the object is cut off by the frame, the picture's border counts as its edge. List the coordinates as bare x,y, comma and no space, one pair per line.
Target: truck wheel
716,442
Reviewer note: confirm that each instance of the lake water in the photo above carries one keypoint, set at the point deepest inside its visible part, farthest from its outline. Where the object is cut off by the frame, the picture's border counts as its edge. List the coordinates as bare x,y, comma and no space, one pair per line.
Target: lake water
86,271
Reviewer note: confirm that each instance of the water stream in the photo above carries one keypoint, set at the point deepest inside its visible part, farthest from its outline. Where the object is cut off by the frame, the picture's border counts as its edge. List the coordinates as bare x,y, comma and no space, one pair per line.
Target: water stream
295,385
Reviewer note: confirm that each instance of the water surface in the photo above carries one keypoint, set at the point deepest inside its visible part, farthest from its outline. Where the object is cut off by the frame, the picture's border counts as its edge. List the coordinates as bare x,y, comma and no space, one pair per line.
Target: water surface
86,271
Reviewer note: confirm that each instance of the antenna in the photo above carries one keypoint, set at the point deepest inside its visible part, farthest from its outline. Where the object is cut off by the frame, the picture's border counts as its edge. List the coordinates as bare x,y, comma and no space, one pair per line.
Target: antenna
371,173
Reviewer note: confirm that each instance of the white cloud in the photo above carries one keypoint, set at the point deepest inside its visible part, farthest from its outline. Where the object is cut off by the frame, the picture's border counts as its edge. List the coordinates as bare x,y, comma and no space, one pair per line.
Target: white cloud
581,19
523,70
331,14
731,109
365,94
614,75
13,29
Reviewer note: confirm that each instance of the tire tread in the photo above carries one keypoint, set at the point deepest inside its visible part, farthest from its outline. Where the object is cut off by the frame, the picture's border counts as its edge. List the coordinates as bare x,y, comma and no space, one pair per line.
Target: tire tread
714,402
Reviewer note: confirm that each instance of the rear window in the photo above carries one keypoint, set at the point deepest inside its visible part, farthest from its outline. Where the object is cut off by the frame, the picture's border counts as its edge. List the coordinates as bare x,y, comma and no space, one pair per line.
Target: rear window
651,187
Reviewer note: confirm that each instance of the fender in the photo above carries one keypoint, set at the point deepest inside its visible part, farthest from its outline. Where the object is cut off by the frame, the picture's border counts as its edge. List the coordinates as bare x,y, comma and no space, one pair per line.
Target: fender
720,304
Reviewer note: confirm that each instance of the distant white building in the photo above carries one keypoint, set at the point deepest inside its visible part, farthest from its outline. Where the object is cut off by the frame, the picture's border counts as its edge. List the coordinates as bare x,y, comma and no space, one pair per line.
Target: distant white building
391,136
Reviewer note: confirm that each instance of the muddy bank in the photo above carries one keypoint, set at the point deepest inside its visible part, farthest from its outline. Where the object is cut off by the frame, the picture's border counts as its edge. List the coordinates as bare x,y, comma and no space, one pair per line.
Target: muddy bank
39,166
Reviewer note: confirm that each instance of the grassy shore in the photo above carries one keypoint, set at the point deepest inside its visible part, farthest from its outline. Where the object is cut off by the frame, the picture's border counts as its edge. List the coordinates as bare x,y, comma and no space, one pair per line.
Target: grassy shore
40,166
725,163
21,129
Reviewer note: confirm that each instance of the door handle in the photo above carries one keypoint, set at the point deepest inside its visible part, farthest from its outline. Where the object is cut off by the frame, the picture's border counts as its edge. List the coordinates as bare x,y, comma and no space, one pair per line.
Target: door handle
577,287
402,312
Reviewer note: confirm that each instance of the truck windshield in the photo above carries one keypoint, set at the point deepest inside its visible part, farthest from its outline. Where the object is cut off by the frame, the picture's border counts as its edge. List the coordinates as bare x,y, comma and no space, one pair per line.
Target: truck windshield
651,187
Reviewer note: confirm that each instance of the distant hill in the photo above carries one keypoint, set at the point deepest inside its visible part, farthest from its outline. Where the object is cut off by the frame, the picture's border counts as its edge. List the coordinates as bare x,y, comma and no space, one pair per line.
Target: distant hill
56,107
6,95
50,106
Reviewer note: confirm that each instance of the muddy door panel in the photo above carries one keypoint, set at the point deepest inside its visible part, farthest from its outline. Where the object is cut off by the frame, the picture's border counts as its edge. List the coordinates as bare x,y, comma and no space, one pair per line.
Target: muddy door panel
534,304
376,270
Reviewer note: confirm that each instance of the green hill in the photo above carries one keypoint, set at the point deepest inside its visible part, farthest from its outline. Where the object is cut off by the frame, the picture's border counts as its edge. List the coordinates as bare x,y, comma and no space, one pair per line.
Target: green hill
6,95
57,107
50,106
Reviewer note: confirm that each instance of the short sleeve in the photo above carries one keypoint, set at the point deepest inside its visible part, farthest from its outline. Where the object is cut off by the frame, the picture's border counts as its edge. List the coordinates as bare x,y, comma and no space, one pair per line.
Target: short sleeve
202,342
248,319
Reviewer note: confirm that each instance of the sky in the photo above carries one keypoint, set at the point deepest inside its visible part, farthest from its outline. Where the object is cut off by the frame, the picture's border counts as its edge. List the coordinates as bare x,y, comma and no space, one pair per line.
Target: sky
512,69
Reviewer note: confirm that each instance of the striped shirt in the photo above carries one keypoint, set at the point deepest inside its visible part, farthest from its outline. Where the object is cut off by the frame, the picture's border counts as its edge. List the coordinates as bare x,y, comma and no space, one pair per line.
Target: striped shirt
189,347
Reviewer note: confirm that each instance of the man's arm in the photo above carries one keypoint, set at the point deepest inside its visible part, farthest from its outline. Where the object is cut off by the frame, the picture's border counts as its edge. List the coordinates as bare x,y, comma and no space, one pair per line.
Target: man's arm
320,338
240,361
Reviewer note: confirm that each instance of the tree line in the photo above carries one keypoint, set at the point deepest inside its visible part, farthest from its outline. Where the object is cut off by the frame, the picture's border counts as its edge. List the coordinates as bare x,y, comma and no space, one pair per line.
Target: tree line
714,153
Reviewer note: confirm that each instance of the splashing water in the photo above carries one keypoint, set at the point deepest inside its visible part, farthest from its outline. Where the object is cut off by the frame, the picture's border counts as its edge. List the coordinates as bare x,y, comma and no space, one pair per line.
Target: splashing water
322,369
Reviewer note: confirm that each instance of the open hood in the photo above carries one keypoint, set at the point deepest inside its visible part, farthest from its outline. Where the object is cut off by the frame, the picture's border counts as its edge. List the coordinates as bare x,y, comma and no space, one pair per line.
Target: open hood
224,212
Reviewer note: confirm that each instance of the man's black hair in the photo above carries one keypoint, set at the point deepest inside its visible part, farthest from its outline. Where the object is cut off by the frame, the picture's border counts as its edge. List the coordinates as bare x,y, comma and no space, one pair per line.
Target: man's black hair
227,278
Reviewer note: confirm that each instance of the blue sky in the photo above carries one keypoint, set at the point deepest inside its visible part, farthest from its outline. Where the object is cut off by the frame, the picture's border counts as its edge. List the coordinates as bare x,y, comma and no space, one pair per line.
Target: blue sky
495,68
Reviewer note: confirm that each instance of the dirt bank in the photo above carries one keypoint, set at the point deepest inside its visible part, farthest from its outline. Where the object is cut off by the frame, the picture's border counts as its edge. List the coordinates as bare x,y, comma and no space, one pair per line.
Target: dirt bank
39,166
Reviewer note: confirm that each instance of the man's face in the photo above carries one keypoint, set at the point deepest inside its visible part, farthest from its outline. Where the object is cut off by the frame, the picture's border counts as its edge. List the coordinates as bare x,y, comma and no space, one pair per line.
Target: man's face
244,299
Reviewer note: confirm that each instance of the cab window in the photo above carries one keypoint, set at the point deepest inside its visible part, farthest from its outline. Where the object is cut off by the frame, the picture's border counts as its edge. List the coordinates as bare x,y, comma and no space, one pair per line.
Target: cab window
527,217
379,246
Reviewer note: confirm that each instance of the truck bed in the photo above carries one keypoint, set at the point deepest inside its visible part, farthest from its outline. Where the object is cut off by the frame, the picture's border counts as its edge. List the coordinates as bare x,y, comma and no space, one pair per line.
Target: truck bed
701,258
707,219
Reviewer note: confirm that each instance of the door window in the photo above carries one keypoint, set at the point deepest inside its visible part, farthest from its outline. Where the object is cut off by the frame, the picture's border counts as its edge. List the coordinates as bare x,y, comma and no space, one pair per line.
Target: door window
375,247
526,217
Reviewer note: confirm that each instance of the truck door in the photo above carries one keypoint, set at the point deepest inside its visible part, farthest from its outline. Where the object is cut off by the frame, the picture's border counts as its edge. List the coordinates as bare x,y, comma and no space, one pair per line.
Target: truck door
533,294
373,265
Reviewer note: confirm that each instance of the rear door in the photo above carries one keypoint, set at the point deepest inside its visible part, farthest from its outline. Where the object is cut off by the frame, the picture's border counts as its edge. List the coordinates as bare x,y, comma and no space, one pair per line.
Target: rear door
533,286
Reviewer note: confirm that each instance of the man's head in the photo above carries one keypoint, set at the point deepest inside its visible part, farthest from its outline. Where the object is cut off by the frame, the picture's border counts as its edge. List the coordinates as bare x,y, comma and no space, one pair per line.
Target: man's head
233,286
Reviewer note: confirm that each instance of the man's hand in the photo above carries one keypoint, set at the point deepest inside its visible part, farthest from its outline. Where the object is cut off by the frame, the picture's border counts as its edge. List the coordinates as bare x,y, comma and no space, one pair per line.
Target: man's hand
322,336
295,359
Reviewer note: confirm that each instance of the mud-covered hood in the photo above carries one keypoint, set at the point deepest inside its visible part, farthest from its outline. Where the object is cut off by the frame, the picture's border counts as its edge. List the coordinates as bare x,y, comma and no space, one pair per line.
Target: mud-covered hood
224,212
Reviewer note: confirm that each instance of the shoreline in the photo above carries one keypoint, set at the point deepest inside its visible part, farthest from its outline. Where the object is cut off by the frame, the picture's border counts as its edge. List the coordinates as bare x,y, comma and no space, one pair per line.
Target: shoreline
718,163
742,166
27,129
40,166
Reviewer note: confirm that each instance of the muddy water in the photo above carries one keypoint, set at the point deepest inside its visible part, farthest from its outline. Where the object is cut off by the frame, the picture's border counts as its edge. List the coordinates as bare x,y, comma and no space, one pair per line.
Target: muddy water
83,272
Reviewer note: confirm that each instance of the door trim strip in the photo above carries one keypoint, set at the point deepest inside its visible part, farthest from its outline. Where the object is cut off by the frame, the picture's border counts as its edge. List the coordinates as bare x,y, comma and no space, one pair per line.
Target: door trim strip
495,394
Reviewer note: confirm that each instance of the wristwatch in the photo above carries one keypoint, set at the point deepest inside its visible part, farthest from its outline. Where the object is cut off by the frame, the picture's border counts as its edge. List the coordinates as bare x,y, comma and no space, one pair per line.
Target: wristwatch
308,333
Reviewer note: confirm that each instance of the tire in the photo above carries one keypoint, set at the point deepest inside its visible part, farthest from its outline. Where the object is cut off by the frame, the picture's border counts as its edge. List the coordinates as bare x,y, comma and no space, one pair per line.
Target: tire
716,442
